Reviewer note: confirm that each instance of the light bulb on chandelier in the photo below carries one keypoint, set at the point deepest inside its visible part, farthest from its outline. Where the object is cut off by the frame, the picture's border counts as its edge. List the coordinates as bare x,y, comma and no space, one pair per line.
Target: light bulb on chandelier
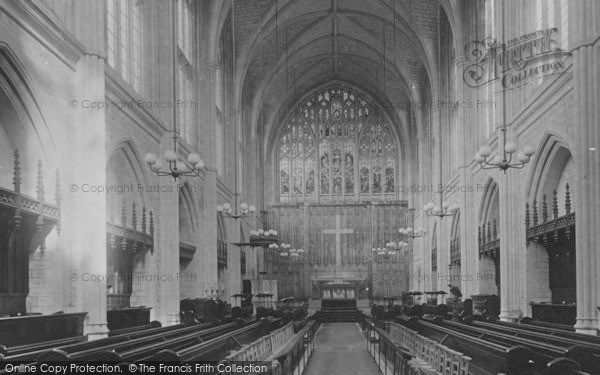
446,209
504,160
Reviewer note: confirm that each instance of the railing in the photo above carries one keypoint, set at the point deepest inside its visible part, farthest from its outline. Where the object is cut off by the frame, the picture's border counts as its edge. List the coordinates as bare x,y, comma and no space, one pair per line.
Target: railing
489,239
389,356
130,236
293,357
554,228
455,252
264,347
431,355
221,254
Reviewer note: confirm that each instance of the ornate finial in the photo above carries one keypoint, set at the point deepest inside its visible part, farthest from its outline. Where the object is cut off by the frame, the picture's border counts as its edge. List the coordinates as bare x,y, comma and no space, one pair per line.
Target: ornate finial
568,200
57,195
111,212
133,217
151,224
123,213
57,199
17,173
554,205
40,181
479,235
124,244
483,236
527,219
489,231
495,229
143,219
112,241
544,209
535,212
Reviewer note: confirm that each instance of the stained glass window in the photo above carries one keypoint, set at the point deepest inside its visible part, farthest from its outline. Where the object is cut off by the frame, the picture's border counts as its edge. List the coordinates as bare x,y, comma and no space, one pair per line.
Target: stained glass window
337,147
124,39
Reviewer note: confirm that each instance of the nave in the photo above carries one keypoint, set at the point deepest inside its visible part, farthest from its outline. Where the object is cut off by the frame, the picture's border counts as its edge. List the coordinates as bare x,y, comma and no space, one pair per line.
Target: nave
341,348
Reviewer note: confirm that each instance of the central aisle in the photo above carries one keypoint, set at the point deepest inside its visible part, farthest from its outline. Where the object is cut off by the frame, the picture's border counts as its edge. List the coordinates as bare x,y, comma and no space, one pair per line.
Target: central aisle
341,348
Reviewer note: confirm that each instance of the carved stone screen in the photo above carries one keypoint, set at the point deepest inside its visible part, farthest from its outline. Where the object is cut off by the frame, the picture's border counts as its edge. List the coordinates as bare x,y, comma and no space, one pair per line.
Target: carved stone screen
338,240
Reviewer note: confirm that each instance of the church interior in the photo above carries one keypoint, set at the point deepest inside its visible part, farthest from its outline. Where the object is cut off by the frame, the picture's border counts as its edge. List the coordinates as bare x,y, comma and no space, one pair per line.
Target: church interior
301,186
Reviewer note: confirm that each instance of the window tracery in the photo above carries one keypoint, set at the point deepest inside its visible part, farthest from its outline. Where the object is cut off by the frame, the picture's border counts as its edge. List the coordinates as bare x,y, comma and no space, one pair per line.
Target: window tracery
336,147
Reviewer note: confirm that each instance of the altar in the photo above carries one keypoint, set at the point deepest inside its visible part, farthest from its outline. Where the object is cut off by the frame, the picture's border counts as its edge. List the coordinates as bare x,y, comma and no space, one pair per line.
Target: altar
339,291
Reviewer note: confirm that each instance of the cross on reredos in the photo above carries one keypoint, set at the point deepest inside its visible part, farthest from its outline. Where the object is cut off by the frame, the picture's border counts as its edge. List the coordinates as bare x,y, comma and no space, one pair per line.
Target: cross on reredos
338,231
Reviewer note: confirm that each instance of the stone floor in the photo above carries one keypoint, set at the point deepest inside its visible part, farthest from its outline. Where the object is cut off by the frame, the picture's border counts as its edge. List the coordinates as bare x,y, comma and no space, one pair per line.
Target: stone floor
341,349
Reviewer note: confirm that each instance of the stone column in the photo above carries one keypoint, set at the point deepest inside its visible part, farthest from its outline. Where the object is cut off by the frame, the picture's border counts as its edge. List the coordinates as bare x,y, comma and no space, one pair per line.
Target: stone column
423,247
86,215
512,245
584,40
210,178
468,237
167,246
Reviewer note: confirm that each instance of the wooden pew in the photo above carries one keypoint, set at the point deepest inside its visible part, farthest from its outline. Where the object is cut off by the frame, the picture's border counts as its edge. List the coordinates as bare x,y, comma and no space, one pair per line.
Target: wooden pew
545,350
294,355
571,337
129,353
44,345
188,334
32,356
216,348
487,357
538,323
116,332
29,329
552,331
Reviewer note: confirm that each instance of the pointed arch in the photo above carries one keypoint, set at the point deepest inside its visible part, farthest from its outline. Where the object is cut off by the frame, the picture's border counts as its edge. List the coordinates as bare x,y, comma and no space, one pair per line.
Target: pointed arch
455,226
188,214
490,202
23,123
336,146
124,169
434,248
551,168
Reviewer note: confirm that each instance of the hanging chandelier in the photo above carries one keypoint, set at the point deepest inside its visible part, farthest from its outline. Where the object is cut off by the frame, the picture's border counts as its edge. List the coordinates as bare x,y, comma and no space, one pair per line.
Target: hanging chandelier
504,161
413,233
176,167
441,211
286,251
225,209
245,210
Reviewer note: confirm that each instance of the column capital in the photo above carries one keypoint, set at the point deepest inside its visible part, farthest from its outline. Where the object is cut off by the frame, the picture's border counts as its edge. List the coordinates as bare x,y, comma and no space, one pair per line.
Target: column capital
420,137
211,64
236,109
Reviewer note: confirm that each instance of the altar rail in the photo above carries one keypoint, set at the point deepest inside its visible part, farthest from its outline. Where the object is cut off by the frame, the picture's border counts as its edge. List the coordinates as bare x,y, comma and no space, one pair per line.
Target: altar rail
440,358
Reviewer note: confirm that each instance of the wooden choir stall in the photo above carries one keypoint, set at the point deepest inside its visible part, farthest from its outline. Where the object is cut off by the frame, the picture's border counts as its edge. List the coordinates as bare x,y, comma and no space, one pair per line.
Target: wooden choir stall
25,222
